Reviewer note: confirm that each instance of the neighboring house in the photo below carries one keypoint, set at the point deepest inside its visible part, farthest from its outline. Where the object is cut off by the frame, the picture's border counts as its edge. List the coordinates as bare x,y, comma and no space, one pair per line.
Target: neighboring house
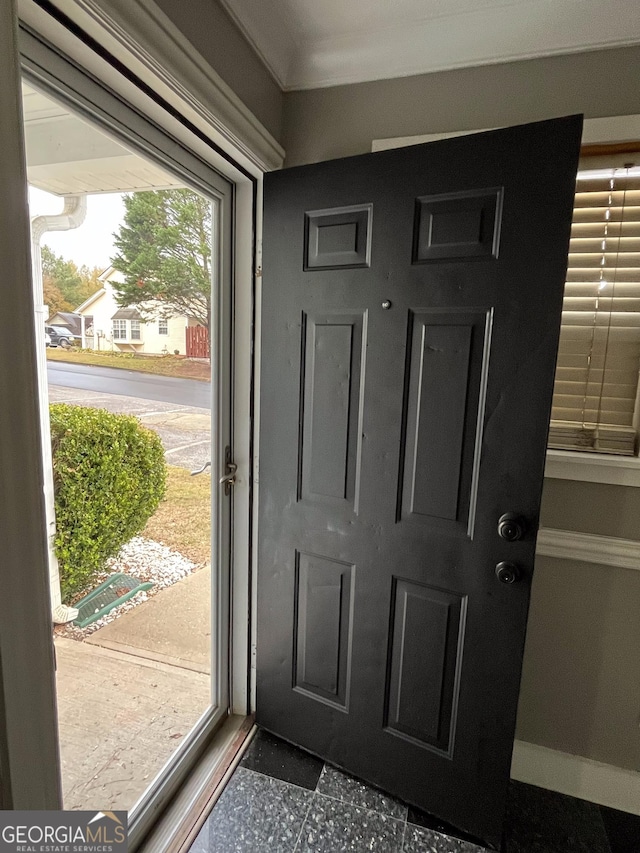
110,327
70,321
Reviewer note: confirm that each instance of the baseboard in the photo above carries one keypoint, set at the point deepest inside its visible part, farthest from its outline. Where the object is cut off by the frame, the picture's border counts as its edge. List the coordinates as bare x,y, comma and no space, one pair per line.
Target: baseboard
577,776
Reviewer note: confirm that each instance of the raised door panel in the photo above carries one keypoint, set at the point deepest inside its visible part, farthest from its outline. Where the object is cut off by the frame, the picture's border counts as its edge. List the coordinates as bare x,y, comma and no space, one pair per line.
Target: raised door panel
329,454
425,663
445,387
323,626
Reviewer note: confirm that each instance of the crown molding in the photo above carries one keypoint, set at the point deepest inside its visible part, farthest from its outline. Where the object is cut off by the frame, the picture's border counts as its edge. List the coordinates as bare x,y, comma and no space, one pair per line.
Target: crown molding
483,36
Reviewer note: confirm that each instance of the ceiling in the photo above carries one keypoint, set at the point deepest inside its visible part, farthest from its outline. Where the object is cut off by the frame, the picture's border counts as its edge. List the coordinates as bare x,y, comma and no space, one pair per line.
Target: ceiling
68,156
315,43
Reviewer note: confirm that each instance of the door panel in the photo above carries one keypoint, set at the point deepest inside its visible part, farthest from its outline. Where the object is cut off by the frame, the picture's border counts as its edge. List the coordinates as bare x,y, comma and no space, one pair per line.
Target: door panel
423,690
411,308
332,353
446,369
324,594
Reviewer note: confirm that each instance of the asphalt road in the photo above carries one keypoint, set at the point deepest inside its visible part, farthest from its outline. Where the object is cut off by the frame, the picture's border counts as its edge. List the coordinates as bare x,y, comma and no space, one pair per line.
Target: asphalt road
130,383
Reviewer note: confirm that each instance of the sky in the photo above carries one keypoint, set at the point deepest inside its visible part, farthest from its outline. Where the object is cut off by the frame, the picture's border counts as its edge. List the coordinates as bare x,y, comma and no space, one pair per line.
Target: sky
92,243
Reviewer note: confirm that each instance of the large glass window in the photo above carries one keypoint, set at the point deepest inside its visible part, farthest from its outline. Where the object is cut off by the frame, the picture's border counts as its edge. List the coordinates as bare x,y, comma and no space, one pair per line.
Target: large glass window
141,634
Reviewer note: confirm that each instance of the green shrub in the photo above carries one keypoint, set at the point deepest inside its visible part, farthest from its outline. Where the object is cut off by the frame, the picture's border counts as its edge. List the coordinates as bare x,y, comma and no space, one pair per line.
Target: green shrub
109,476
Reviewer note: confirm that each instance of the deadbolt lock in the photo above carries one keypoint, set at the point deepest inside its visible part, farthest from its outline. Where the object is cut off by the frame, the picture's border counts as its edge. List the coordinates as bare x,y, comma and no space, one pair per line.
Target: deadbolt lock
507,572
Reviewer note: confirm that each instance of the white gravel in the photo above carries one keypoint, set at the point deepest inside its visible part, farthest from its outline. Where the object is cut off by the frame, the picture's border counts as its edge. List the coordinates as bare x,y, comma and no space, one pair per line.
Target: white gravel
145,560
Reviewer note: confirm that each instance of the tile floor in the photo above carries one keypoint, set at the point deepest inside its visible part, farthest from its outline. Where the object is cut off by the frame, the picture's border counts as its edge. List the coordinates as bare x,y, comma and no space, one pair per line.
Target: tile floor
282,800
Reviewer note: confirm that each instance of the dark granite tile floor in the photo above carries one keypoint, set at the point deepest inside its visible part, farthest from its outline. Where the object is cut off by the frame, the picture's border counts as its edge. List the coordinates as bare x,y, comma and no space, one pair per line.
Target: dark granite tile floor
282,800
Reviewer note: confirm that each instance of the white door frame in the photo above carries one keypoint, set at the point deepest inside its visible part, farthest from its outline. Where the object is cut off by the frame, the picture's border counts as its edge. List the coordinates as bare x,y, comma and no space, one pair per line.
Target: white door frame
29,766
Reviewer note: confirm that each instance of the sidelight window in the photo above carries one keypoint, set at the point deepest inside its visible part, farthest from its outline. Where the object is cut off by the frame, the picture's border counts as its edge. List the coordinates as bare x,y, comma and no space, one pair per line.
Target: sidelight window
595,402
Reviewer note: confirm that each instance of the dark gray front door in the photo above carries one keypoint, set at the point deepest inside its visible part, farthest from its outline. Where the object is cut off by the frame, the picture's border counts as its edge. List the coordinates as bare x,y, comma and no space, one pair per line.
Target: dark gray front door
411,306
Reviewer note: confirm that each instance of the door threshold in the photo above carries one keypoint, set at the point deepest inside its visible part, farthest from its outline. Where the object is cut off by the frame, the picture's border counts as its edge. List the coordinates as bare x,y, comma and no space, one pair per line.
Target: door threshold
185,815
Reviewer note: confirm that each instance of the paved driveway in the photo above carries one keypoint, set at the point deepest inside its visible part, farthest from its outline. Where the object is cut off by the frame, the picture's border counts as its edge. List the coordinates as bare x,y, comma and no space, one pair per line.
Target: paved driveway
185,431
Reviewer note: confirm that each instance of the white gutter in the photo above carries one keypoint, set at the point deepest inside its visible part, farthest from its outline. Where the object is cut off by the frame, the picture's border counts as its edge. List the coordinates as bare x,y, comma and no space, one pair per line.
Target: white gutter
72,216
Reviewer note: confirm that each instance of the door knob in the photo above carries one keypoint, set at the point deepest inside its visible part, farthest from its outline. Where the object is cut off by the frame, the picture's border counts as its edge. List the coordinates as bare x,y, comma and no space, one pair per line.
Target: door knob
507,572
511,527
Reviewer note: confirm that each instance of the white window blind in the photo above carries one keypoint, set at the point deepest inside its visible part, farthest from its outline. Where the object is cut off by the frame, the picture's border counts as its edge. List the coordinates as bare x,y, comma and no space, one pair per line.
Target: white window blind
594,401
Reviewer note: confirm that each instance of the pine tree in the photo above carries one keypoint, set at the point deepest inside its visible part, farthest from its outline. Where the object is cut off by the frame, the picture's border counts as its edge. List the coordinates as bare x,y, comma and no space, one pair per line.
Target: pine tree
164,253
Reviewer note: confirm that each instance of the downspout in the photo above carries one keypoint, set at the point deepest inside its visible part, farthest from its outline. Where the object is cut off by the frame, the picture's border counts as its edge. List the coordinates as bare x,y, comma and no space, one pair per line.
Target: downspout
72,216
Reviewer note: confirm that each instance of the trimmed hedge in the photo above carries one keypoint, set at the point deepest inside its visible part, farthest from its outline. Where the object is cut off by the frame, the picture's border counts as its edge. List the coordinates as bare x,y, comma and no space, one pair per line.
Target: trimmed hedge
109,475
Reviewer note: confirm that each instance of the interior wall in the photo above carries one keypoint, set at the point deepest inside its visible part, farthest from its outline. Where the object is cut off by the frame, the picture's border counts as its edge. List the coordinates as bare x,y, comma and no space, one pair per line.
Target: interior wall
217,38
322,124
580,691
4,761
592,508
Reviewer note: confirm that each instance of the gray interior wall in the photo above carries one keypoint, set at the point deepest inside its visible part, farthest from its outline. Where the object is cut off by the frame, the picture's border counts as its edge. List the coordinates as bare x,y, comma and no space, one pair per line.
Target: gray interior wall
580,689
322,124
592,508
4,761
217,38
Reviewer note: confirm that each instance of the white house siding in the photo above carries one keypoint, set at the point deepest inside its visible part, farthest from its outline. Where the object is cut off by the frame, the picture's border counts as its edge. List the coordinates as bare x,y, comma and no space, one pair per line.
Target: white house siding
175,340
103,305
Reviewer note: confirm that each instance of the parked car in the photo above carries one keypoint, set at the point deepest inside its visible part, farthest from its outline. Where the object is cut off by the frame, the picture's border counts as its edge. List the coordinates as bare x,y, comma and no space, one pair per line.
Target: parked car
60,337
47,339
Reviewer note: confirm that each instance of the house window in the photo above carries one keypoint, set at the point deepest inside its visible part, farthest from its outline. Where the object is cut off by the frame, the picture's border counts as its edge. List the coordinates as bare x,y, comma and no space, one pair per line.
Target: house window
163,327
595,395
119,330
135,330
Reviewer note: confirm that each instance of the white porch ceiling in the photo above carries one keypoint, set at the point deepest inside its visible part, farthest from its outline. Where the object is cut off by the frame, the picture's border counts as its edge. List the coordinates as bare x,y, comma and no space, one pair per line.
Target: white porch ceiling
69,156
315,43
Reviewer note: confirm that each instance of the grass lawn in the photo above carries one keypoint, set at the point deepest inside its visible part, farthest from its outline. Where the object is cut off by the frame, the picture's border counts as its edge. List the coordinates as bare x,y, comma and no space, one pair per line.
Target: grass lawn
166,365
183,519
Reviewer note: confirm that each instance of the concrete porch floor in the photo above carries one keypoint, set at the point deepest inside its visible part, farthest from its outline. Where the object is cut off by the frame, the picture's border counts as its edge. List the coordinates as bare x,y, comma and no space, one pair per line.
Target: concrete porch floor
129,695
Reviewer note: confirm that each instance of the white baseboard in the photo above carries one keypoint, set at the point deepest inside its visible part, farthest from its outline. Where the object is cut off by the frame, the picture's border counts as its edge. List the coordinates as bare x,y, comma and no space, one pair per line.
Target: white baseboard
577,776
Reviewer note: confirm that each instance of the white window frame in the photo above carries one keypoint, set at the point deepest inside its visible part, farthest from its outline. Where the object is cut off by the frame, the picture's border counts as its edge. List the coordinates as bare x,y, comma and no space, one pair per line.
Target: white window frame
119,330
135,333
163,326
567,464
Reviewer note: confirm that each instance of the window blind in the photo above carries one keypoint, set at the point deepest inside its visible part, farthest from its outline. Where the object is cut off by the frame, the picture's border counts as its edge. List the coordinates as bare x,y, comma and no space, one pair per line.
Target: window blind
596,384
